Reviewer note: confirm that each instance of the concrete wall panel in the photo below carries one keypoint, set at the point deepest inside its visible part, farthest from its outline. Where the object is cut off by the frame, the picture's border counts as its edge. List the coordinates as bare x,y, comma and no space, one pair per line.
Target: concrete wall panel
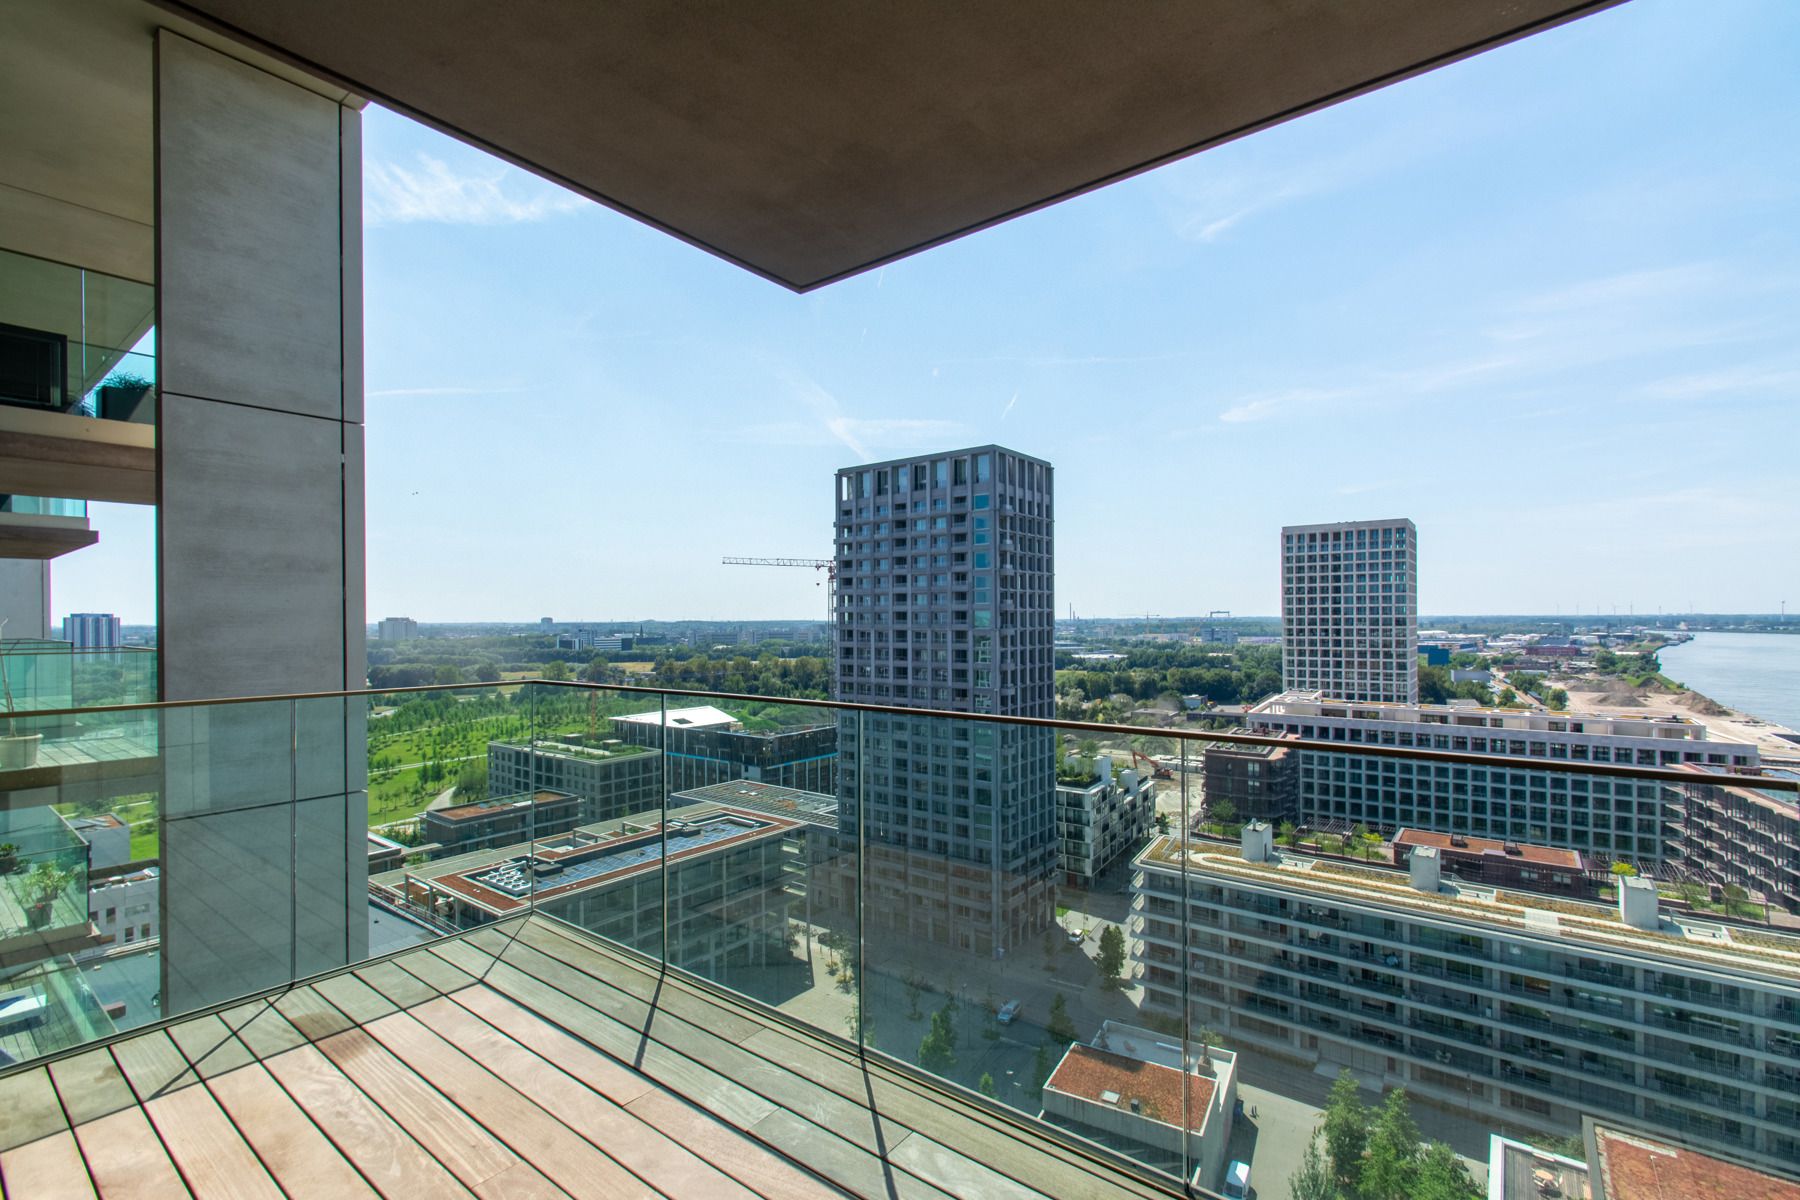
237,935
252,293
252,551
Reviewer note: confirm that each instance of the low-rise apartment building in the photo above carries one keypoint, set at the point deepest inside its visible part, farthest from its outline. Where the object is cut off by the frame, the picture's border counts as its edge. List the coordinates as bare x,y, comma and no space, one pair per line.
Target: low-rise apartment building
125,910
1529,1011
614,778
1101,820
462,828
1638,820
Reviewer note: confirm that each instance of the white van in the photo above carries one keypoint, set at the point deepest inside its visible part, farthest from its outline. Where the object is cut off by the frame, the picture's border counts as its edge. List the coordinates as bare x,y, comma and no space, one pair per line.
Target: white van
1237,1180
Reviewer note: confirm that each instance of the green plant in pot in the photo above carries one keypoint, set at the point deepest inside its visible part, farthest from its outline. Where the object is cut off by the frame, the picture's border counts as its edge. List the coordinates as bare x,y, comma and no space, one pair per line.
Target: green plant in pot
46,882
17,749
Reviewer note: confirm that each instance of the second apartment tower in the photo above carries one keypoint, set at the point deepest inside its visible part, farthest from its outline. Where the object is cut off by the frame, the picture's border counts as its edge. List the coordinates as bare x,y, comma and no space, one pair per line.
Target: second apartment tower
1350,610
945,565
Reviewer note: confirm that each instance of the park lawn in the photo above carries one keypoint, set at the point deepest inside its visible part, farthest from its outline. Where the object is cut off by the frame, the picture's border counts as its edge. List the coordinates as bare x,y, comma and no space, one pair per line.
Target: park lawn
143,842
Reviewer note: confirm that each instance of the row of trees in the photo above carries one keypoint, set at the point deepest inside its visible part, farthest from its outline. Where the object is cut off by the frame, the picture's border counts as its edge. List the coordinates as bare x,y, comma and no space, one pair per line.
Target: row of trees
1376,1154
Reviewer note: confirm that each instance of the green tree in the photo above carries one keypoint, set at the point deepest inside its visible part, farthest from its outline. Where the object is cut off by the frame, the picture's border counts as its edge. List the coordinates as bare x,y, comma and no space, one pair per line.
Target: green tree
1624,870
1346,1129
1312,1180
1222,811
1061,1028
1040,1070
1558,699
1388,1171
556,668
1287,834
1441,1175
915,989
985,1085
1111,960
937,1051
487,672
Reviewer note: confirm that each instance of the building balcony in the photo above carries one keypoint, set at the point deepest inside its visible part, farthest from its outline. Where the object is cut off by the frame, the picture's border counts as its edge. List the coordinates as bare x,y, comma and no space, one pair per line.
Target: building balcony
524,1058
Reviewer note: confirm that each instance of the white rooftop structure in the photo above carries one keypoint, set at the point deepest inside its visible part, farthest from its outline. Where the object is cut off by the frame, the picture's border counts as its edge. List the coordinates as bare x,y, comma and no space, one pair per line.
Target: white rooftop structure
703,717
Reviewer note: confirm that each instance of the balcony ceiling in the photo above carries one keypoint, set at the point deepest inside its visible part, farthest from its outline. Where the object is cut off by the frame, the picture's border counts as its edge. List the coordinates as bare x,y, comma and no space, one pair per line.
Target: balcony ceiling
807,142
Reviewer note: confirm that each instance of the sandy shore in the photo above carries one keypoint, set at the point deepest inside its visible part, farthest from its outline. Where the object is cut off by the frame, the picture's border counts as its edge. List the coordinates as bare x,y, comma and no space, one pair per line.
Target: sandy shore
1730,726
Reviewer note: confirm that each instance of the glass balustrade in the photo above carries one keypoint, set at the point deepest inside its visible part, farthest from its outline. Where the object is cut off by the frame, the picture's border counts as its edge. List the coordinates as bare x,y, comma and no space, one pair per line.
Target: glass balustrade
905,882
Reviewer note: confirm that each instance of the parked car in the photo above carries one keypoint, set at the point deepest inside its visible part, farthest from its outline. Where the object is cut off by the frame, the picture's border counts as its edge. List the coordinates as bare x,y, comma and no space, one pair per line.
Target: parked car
1237,1180
1077,936
1008,1011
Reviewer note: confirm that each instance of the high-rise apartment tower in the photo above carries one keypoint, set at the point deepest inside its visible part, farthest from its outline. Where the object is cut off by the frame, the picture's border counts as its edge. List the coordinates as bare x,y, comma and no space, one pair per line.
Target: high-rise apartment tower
1350,610
945,565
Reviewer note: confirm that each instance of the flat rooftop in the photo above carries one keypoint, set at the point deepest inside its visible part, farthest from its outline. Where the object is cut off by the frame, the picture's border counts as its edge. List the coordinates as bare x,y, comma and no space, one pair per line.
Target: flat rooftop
1456,843
1115,1080
763,797
487,808
1631,1166
703,716
507,879
1690,942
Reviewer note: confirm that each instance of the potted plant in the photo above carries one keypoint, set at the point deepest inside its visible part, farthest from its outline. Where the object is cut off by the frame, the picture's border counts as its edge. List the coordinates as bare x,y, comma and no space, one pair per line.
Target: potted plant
46,882
17,750
9,858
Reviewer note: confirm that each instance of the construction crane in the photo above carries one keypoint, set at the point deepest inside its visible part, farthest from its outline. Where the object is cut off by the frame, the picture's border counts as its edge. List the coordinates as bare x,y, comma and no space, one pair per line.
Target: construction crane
827,565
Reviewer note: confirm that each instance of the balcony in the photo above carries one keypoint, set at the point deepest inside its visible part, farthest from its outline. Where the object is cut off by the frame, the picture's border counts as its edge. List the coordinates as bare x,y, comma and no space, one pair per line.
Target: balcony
524,1058
579,863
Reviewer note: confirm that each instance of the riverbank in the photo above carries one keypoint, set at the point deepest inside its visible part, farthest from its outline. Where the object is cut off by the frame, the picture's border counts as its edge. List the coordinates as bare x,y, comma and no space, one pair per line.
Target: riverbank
1722,722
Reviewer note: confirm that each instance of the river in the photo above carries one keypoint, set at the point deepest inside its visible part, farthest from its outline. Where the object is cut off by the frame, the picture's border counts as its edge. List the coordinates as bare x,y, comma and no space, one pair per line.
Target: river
1755,673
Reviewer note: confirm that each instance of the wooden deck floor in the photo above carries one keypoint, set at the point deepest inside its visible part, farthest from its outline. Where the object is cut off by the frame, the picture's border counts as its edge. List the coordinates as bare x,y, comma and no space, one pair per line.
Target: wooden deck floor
524,1060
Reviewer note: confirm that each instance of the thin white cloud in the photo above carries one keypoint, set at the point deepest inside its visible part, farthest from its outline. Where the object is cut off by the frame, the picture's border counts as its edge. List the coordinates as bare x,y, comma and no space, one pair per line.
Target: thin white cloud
432,190
1269,404
863,436
1729,381
1009,406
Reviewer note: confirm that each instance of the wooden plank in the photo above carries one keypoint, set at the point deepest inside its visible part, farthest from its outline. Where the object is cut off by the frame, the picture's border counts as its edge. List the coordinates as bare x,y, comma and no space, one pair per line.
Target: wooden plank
297,1154
354,998
214,1160
604,1074
1038,1163
153,1065
310,1014
520,1182
127,1159
382,1150
49,1168
643,1149
399,987
461,1145
439,973
568,1161
756,1166
724,1098
846,1164
268,1033
460,954
91,1086
961,1175
209,1045
32,1110
669,993
783,1087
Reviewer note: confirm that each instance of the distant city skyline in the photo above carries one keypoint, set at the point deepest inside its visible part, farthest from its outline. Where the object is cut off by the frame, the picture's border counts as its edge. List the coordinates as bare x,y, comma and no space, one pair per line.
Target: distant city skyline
1540,300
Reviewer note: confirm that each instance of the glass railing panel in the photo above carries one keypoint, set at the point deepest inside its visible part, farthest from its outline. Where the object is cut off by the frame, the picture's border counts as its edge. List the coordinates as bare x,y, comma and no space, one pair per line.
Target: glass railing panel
78,330
762,867
42,506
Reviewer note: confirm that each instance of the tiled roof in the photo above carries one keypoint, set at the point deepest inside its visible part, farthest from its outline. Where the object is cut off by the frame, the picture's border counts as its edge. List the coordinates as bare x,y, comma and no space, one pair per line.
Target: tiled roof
1116,1080
1633,1167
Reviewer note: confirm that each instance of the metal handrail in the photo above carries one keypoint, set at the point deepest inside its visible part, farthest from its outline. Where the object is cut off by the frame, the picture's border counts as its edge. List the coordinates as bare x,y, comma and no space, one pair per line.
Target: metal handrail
1409,753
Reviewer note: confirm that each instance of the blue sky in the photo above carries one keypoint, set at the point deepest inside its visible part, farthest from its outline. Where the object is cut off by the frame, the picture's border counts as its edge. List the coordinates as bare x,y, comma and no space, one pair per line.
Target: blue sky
1544,302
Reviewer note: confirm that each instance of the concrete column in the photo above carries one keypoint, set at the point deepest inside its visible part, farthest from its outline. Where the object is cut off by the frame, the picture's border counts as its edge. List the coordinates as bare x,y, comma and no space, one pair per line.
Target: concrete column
260,525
